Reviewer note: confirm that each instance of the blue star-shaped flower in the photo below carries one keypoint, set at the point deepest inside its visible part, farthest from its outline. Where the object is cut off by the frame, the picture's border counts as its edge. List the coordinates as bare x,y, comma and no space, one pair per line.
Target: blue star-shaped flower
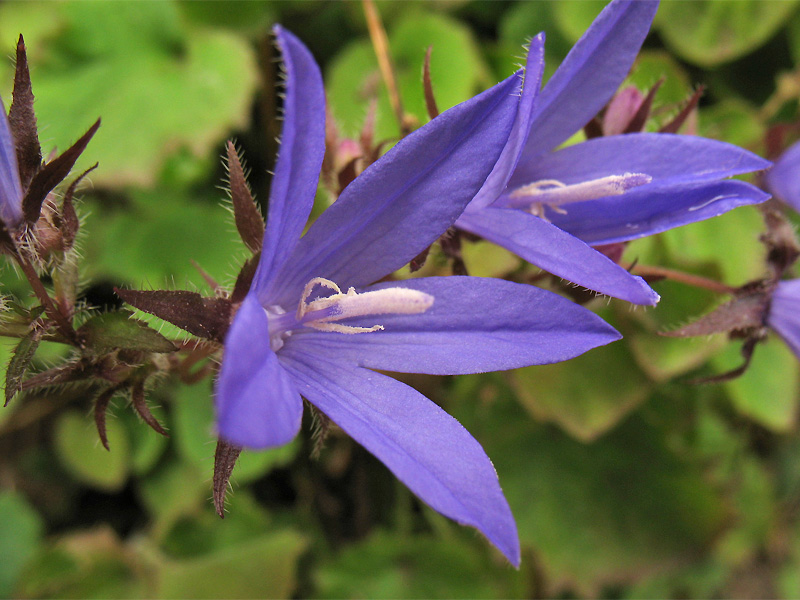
784,313
550,206
313,326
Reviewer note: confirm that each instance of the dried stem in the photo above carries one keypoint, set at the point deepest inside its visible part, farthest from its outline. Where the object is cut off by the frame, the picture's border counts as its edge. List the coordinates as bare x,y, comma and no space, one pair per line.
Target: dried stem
681,277
381,45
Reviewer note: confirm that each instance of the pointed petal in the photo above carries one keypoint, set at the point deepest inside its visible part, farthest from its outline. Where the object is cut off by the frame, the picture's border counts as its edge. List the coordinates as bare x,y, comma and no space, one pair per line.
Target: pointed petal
784,313
591,73
258,405
652,209
557,252
667,158
294,184
10,186
422,445
783,179
498,179
406,200
475,325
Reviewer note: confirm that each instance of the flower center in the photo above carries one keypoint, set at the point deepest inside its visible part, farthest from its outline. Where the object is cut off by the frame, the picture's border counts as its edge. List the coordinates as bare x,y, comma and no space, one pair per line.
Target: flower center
554,194
323,313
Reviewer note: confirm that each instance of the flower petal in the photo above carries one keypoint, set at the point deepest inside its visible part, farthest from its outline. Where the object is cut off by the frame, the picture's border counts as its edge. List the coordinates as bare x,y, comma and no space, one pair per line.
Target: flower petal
422,445
784,313
591,73
667,158
783,179
475,325
497,180
652,209
406,200
299,161
10,186
258,405
557,252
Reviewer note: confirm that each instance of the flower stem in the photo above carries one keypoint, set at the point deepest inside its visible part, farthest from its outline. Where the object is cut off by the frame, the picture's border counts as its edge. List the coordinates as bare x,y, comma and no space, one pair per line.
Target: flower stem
62,324
381,45
681,277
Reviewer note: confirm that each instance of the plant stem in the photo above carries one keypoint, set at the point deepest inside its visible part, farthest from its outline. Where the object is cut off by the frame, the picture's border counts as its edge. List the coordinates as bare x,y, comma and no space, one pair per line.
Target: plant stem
381,45
681,277
62,324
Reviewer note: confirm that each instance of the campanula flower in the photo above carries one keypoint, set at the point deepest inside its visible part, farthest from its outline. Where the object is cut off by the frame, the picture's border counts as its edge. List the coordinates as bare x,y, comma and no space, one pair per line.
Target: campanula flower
784,313
10,185
783,179
549,205
312,325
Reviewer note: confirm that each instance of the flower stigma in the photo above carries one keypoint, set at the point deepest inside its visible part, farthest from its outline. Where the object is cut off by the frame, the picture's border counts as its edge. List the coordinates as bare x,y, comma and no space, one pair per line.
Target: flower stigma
322,313
552,193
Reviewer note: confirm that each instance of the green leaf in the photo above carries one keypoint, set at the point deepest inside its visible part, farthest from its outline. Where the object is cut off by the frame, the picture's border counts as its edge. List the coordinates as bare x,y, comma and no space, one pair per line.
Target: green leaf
733,120
193,415
587,395
574,17
484,259
652,65
713,32
262,568
203,532
769,390
392,566
113,330
158,84
457,72
81,453
523,21
173,490
699,244
21,530
179,230
599,513
147,446
20,361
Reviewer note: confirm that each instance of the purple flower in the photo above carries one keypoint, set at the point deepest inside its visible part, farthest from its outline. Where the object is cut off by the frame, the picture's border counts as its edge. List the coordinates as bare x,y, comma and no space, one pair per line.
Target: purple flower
312,325
783,179
10,185
784,313
548,205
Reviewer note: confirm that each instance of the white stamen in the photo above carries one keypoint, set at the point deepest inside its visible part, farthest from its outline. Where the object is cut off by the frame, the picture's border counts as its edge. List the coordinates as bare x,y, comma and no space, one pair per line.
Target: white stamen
553,193
338,306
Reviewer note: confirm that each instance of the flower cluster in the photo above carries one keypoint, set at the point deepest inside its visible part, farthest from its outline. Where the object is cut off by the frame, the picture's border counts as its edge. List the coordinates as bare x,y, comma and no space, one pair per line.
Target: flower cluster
320,316
485,166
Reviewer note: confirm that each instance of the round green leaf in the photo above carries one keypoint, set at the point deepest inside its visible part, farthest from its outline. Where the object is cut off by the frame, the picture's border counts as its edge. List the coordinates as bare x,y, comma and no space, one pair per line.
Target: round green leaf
587,395
81,453
713,32
158,85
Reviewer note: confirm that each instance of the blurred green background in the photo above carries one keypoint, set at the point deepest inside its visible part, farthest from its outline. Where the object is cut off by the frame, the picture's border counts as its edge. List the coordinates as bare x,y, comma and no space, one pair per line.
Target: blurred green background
625,480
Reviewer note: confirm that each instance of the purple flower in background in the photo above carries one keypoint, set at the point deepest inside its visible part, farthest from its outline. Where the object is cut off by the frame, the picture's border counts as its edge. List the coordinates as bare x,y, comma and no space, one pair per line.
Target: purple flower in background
783,179
784,313
10,185
549,205
312,325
